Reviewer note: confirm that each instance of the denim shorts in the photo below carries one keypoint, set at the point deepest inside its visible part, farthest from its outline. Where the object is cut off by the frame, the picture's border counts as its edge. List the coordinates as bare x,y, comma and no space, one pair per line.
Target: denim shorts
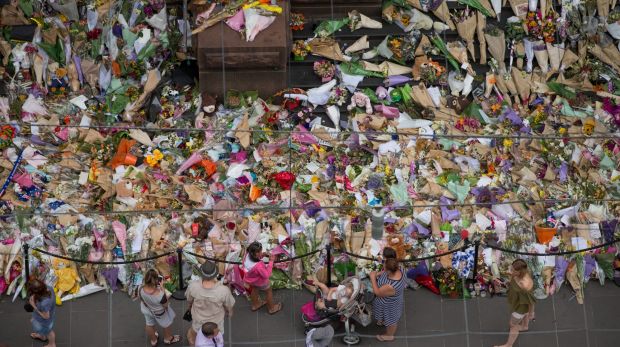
42,329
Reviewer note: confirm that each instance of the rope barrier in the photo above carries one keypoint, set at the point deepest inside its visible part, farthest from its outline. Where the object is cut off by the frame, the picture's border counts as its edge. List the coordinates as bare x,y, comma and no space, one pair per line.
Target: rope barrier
552,254
102,262
597,135
413,259
286,208
239,263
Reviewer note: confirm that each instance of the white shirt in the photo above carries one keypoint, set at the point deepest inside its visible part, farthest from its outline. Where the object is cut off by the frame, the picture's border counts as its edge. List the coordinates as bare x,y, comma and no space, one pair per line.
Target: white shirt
203,341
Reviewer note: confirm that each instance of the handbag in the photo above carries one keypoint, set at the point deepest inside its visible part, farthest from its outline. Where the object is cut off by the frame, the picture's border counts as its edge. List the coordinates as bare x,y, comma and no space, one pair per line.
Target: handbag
188,315
28,307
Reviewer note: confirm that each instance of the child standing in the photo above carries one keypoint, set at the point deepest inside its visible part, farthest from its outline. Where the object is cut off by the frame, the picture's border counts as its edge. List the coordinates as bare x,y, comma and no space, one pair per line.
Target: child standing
257,278
209,336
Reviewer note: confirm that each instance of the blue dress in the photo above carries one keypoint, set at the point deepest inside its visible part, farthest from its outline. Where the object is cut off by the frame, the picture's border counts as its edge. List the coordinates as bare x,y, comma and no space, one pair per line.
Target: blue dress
389,309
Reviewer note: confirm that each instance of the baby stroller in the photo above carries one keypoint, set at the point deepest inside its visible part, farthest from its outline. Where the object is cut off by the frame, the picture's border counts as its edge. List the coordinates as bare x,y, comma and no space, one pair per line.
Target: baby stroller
357,307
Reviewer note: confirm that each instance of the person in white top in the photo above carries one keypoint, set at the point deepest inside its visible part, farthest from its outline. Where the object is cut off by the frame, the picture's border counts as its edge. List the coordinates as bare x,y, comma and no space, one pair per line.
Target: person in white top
209,336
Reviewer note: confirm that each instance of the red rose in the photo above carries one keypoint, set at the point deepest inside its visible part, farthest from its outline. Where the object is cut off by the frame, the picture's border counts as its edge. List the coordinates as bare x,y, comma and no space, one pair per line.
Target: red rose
285,179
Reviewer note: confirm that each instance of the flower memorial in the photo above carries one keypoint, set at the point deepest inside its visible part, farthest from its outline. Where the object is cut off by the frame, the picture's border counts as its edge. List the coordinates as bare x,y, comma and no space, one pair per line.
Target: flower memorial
111,152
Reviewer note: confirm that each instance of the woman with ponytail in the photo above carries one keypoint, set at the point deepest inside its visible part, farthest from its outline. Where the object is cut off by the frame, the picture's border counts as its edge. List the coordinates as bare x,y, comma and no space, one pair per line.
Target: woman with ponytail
389,286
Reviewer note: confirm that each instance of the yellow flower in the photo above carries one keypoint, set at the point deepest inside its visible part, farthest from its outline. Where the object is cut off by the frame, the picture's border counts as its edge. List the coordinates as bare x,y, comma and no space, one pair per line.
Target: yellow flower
150,159
507,142
314,179
158,155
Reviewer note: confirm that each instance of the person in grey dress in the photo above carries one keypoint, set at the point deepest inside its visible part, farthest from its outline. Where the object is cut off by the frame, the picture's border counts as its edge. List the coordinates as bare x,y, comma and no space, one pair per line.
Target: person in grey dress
155,308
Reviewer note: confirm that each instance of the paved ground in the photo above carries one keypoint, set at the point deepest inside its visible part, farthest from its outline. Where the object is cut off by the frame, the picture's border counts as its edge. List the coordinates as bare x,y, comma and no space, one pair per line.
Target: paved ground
114,320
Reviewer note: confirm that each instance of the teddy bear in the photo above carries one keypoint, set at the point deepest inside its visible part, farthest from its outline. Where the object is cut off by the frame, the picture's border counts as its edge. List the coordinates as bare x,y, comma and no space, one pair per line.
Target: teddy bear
67,278
397,242
360,99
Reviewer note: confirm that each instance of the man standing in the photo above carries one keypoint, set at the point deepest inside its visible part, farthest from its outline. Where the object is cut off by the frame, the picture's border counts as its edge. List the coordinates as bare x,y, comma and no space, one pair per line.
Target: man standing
209,301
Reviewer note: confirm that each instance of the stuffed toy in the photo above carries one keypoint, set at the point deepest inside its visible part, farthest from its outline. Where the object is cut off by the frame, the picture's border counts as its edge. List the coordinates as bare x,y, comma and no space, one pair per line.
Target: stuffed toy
360,100
397,242
446,260
68,280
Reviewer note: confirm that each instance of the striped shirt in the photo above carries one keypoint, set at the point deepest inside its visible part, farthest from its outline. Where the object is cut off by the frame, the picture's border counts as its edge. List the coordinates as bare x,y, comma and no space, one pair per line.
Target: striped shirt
389,309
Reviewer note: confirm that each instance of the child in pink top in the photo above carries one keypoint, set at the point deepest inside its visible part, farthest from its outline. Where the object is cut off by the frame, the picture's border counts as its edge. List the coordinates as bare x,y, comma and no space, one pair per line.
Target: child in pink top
257,278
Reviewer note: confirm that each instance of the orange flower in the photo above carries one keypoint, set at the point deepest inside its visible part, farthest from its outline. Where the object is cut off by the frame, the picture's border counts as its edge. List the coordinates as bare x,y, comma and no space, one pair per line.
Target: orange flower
496,107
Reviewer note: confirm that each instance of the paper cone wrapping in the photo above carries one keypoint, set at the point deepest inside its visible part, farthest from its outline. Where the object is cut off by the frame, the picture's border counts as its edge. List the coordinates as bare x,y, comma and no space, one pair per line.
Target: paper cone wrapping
501,83
442,13
152,80
73,77
555,56
420,21
612,52
481,23
459,51
497,47
393,69
466,30
326,47
510,83
497,7
519,7
487,5
364,21
359,45
614,30
542,57
520,52
91,72
421,96
38,68
568,59
529,54
489,82
242,133
602,8
597,51
522,85
5,51
12,15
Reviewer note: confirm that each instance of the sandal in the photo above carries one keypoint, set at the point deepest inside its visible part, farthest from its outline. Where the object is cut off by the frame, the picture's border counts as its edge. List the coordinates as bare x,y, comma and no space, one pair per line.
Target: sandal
383,339
276,308
153,344
36,336
175,339
263,303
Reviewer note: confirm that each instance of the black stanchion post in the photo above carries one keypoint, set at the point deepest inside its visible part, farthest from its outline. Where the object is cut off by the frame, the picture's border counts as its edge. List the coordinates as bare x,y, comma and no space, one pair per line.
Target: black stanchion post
179,294
476,248
27,261
328,250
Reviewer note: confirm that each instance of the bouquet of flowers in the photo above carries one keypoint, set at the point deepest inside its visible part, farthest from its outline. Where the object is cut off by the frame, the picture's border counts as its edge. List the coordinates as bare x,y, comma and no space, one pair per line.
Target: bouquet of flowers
297,21
80,247
300,50
325,69
338,96
466,27
449,282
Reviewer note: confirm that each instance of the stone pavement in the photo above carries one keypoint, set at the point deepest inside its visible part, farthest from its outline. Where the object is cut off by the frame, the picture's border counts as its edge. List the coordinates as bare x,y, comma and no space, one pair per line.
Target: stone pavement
103,319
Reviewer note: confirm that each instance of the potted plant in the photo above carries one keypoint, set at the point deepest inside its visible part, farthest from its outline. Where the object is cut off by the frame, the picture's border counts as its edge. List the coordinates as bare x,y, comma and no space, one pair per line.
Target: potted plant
545,229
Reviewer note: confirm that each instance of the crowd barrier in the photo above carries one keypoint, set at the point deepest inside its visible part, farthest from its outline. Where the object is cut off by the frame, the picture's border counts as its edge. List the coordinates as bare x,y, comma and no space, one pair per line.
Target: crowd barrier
179,293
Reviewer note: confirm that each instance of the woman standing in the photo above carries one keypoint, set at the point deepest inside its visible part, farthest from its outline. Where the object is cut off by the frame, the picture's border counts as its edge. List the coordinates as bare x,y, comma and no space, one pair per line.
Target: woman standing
520,299
257,278
43,314
389,286
155,308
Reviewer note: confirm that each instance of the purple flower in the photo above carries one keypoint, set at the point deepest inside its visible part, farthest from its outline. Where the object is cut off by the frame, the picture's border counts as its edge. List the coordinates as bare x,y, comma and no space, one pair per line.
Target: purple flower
374,182
117,30
511,115
563,172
